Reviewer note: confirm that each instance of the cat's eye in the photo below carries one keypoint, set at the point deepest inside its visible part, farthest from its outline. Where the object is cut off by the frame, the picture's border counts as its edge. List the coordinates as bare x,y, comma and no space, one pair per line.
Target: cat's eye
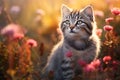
66,23
78,23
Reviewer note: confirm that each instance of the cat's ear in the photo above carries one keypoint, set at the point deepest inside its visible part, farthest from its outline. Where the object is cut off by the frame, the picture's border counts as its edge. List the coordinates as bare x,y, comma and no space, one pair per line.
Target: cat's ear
65,11
88,11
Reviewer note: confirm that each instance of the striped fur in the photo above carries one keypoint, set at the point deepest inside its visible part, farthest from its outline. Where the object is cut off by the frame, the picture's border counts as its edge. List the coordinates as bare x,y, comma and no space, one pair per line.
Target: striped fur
67,70
79,37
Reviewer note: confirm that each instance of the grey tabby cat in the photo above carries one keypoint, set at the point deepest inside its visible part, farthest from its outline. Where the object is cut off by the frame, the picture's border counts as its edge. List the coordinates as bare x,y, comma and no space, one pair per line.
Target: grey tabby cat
79,38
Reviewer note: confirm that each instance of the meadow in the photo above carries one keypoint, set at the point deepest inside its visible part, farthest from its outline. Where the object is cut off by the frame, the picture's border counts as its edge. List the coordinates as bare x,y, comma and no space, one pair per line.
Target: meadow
29,30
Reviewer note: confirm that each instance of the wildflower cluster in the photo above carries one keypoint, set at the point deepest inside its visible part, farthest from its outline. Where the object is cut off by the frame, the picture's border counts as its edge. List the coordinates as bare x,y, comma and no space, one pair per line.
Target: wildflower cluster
15,49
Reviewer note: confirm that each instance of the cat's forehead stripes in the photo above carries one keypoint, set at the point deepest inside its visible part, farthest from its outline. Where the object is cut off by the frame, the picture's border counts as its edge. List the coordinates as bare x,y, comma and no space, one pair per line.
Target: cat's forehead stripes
74,15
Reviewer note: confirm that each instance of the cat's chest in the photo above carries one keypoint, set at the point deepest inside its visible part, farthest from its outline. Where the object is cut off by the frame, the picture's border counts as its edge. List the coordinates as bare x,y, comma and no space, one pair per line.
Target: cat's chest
70,52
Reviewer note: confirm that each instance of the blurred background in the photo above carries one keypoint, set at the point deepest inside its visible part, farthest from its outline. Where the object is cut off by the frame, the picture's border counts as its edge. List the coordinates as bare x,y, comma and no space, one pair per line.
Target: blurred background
41,17
40,21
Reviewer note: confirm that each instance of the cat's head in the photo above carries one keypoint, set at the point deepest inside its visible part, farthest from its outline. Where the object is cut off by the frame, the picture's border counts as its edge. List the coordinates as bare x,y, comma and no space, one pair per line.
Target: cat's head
77,23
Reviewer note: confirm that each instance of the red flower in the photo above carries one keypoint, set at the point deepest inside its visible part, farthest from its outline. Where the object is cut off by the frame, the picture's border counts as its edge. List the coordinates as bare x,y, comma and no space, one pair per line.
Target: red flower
115,11
108,28
96,63
32,42
107,58
99,32
108,20
92,66
82,63
69,54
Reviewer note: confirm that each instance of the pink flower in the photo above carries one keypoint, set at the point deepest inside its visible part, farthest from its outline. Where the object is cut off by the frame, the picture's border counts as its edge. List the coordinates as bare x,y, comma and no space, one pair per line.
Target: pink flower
18,36
107,58
89,68
82,63
108,28
108,20
99,32
69,54
31,42
92,66
96,63
15,9
115,11
13,31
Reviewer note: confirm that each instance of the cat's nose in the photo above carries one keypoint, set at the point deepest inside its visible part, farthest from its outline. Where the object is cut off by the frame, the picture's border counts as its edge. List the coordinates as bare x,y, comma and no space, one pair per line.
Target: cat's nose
71,27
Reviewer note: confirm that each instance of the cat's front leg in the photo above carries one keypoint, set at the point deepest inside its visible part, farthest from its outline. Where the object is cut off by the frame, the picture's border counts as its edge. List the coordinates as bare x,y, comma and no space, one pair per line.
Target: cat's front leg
67,68
54,65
